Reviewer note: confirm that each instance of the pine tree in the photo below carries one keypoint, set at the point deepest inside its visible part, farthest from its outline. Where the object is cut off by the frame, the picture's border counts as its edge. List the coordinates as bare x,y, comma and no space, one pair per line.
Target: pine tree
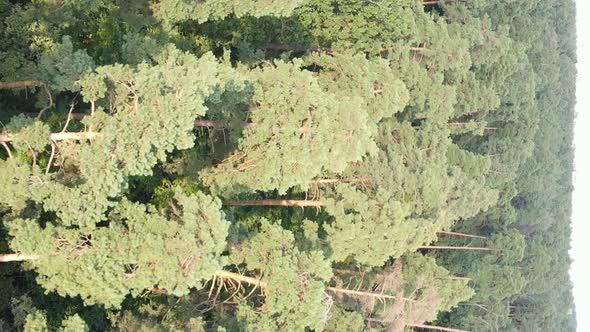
298,131
151,112
139,249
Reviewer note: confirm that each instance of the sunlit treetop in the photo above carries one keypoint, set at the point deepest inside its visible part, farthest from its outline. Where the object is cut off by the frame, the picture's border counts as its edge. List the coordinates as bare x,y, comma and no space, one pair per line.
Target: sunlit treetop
173,11
139,249
297,131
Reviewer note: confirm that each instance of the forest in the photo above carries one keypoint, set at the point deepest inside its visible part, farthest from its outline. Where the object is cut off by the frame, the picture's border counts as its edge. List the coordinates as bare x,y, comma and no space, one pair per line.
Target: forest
273,165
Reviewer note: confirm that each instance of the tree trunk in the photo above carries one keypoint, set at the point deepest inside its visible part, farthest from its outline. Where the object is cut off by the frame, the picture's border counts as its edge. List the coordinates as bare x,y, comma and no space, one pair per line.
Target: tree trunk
59,136
436,2
238,277
460,278
462,235
331,181
276,202
458,248
18,84
294,48
435,327
365,294
254,281
17,258
205,123
285,47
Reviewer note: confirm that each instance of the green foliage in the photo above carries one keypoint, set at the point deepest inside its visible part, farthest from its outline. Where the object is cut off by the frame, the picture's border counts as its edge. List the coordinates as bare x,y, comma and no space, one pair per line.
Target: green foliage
295,297
74,324
62,67
342,320
14,176
138,133
105,265
383,93
402,119
297,132
27,133
36,322
355,213
172,11
361,25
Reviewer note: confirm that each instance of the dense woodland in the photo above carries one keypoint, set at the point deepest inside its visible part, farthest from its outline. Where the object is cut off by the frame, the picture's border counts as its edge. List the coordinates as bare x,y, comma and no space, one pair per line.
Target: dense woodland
303,165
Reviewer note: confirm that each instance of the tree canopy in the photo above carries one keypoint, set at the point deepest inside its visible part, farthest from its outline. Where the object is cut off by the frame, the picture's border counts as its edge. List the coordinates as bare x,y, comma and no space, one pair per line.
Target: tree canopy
312,165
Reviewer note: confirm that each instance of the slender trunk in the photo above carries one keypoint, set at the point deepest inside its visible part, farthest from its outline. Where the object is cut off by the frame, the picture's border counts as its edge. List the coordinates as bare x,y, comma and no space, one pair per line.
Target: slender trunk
254,281
460,124
276,202
460,278
18,84
331,181
464,124
462,235
365,294
205,123
59,136
17,258
295,48
436,2
458,248
435,327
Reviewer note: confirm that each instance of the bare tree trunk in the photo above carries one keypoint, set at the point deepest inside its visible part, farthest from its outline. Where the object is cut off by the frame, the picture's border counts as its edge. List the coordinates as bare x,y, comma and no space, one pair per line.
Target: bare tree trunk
18,84
17,258
436,2
285,47
254,281
205,123
59,136
331,181
295,48
239,277
435,327
458,248
460,278
276,202
462,235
